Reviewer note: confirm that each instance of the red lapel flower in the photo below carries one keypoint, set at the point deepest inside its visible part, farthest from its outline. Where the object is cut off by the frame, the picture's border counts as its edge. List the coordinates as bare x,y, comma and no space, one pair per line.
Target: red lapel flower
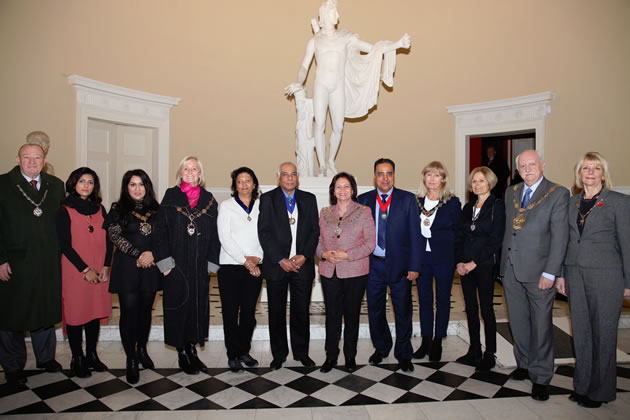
600,204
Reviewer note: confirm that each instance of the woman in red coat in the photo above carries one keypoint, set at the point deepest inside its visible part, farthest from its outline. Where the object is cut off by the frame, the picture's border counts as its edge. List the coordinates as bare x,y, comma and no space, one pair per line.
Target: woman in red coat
347,237
84,268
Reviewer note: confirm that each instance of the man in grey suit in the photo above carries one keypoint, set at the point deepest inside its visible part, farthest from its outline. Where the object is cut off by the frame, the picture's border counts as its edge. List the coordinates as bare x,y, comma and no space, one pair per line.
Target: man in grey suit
534,246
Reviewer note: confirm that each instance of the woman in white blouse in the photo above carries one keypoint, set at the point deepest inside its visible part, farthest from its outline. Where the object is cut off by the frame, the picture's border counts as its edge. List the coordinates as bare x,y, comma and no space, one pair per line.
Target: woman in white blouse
239,276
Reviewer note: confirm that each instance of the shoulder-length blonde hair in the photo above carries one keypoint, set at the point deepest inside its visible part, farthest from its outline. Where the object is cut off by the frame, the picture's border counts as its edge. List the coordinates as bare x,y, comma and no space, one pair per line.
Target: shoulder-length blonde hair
593,157
486,172
186,159
435,166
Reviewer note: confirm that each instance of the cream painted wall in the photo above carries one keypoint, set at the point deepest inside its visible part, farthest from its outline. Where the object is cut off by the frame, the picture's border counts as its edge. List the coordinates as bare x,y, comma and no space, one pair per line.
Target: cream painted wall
229,62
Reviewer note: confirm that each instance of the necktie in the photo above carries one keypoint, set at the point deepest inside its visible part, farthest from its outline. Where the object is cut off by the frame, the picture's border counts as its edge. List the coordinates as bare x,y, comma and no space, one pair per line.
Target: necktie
526,197
34,184
382,225
290,200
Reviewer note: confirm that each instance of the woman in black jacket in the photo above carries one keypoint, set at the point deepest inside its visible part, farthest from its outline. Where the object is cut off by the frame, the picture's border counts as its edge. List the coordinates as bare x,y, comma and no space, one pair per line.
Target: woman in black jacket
477,244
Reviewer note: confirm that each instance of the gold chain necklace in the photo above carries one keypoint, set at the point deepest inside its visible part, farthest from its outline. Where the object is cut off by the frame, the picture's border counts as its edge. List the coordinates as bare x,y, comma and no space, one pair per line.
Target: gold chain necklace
519,221
583,216
37,211
192,226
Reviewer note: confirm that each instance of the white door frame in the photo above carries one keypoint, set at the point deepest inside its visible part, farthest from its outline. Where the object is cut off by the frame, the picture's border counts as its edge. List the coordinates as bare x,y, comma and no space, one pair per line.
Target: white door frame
502,116
99,100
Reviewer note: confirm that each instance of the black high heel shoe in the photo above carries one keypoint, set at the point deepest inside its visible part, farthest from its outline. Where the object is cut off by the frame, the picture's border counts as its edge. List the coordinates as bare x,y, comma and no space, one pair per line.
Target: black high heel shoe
436,350
191,351
95,363
424,349
185,363
133,371
143,356
79,367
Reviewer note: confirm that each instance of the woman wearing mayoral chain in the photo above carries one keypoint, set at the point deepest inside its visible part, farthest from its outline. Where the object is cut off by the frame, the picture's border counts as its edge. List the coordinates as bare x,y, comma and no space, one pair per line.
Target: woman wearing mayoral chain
239,276
187,251
131,226
596,278
84,268
439,216
347,237
477,243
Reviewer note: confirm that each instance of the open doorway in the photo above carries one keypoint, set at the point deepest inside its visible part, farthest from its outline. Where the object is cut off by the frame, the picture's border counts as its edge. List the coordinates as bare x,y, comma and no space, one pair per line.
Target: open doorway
498,152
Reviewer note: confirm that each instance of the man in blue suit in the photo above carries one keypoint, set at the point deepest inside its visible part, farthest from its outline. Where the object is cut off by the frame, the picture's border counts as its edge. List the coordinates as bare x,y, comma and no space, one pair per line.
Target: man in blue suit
395,263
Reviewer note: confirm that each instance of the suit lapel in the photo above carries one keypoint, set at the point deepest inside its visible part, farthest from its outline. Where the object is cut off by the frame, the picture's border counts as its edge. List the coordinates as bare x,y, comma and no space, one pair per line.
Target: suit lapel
573,213
594,215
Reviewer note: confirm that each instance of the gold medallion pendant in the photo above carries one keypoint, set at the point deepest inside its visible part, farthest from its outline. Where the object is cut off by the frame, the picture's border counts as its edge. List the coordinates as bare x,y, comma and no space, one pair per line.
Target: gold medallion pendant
37,212
145,229
191,229
518,222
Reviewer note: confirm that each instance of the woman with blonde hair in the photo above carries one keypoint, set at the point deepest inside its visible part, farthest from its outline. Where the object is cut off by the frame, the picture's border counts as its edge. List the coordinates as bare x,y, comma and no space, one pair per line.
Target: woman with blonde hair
439,216
596,278
187,251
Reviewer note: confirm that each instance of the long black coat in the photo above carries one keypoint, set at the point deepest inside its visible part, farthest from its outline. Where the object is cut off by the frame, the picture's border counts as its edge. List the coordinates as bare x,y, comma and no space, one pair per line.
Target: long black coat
31,299
186,287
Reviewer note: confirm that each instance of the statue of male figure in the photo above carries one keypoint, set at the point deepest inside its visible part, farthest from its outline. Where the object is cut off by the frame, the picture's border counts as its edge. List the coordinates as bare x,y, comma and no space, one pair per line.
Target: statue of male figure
346,82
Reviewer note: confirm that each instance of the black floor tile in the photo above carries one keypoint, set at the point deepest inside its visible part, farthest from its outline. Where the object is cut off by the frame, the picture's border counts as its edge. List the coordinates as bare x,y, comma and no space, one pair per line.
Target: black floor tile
159,387
509,393
361,400
624,372
355,383
401,381
39,407
459,394
148,405
555,390
447,379
202,404
90,407
6,389
410,397
307,384
566,370
432,365
303,369
107,388
118,372
208,387
491,377
310,401
56,388
256,403
257,386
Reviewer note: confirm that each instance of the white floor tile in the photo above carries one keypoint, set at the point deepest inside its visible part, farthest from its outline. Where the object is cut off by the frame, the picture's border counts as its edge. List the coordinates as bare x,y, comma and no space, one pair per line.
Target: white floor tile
177,398
124,399
450,410
384,392
71,399
230,397
503,409
340,413
334,394
284,414
11,402
282,396
397,411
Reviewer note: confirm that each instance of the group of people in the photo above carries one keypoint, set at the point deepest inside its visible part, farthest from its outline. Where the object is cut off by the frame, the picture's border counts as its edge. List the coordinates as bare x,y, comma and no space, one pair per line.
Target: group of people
386,238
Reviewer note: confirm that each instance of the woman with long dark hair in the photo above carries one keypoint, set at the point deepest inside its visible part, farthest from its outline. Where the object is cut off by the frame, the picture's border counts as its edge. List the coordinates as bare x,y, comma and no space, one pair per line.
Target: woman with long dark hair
239,276
131,228
86,254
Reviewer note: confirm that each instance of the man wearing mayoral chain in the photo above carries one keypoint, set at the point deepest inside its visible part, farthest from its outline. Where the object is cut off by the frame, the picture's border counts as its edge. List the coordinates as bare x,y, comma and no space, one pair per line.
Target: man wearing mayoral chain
30,273
534,246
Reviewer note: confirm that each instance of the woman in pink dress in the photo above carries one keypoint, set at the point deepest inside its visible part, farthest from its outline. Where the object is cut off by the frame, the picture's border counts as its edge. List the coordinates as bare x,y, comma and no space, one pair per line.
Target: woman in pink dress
84,268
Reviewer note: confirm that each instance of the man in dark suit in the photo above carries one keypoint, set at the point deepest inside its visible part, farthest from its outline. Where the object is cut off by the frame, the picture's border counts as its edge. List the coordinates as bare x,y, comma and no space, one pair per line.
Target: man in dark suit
30,271
288,230
395,263
500,168
534,245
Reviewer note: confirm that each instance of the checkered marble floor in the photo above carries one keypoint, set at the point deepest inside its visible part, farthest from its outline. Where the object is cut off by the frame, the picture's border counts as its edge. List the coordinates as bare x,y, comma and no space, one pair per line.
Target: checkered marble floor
262,388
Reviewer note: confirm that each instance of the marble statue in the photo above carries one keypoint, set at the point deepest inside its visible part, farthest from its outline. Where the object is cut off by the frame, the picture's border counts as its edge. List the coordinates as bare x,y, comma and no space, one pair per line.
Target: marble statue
346,81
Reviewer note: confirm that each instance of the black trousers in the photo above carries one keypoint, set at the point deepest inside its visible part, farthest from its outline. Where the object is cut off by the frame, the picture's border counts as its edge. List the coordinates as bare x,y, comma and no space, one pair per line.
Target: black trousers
75,337
299,312
135,319
13,348
480,281
239,293
343,298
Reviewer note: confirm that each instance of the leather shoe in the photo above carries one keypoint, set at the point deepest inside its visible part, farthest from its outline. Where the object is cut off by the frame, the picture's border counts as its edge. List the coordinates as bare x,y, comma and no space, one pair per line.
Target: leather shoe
588,403
471,358
540,392
143,357
405,365
185,363
305,360
133,371
15,378
191,351
575,397
235,365
276,364
351,364
248,360
519,374
424,349
435,355
95,363
50,366
487,363
328,365
79,366
376,358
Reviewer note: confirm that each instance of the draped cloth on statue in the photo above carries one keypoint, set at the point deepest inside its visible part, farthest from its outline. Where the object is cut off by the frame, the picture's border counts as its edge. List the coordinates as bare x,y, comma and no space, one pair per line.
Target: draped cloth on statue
363,76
